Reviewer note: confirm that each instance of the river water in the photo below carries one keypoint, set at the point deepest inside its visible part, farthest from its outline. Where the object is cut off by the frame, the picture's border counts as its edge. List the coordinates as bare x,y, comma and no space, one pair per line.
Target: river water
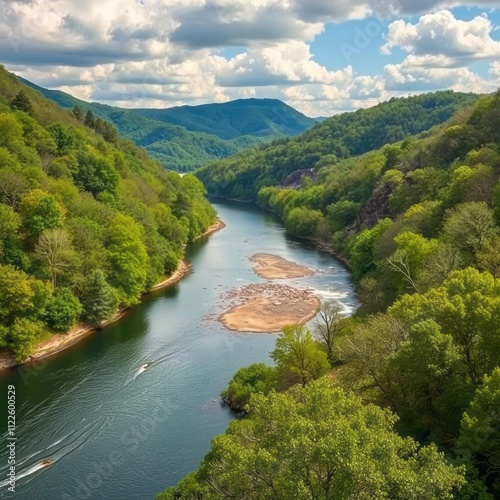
114,431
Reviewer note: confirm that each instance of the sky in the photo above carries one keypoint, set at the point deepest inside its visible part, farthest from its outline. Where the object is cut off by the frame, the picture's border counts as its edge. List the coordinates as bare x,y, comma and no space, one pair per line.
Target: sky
320,56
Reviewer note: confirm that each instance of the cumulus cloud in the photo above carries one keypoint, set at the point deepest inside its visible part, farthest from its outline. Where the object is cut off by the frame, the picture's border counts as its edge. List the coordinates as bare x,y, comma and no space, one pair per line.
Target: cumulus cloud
412,7
241,23
495,69
81,34
440,50
405,78
286,63
441,39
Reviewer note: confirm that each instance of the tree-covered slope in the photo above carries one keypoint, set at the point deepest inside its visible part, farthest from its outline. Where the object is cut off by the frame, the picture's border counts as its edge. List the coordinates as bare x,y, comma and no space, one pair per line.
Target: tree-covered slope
187,137
87,220
338,137
240,118
419,222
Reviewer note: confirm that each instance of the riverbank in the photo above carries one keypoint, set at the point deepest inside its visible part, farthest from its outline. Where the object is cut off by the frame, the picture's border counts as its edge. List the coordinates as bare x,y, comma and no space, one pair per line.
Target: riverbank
60,341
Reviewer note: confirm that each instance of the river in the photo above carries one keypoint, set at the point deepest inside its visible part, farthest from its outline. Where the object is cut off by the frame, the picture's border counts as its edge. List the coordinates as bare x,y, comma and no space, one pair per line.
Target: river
113,431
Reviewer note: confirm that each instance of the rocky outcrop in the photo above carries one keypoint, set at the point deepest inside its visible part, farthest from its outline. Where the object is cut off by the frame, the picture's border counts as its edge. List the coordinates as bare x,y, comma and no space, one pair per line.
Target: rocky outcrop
294,180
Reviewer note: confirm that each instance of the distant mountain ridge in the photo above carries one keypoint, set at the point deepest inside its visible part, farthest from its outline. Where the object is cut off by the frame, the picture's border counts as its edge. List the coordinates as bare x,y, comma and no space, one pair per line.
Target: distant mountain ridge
187,137
243,117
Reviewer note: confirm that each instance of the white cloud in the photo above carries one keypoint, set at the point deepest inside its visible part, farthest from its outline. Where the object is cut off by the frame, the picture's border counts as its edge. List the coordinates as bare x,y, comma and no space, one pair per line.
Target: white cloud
440,51
495,69
439,39
403,77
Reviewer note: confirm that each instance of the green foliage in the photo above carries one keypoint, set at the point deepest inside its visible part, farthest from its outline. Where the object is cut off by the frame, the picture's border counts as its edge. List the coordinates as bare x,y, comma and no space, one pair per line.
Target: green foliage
22,102
40,212
97,298
480,430
362,250
64,137
17,294
302,222
467,307
63,310
96,175
318,442
22,337
342,214
127,257
469,226
298,357
254,379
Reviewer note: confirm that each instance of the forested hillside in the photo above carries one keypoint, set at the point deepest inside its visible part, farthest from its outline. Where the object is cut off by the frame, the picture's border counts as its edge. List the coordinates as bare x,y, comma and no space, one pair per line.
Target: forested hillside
339,137
187,137
409,406
242,119
87,220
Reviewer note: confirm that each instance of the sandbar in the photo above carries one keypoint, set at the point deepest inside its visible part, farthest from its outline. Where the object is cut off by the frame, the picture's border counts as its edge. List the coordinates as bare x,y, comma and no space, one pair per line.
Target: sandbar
267,308
271,267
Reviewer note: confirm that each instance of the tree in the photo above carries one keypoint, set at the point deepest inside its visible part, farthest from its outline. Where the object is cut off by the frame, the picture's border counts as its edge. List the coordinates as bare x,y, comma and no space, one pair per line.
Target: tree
77,113
302,221
469,226
63,310
89,119
22,102
409,258
11,133
13,186
96,174
254,379
318,442
16,294
328,328
54,249
367,353
127,257
97,298
467,307
480,431
361,253
64,136
24,333
488,258
298,357
9,226
40,211
430,390
342,214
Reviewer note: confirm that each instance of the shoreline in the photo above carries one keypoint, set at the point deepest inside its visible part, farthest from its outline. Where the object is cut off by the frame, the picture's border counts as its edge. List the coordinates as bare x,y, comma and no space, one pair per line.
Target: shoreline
60,341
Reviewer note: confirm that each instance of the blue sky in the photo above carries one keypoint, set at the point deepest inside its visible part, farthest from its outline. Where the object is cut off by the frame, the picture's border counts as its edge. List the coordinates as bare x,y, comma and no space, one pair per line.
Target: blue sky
320,56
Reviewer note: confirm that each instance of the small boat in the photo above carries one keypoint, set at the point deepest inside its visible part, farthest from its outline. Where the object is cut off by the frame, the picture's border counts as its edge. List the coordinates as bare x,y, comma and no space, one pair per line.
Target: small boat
46,462
142,369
